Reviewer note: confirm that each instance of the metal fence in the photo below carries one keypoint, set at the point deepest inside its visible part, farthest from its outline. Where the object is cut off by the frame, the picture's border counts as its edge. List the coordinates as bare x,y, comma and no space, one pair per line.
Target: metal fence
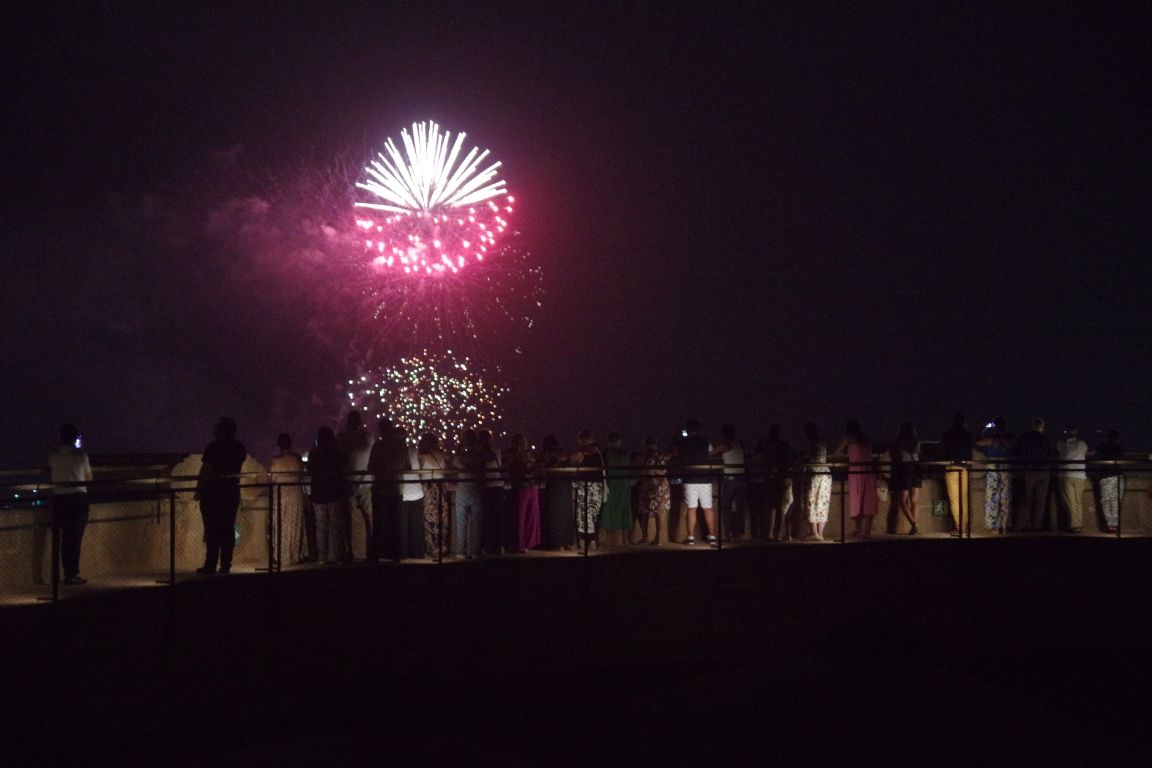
145,529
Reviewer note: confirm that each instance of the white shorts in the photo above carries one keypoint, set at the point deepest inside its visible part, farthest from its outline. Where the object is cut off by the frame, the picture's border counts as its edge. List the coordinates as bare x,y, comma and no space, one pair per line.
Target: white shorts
698,493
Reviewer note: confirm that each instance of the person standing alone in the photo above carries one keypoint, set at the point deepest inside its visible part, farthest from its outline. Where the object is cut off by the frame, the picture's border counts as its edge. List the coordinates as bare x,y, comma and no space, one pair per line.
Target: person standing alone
219,494
69,464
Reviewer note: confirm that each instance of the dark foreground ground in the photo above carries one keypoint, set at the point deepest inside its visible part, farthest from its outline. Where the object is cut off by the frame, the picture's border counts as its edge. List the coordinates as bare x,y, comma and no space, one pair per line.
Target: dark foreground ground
995,652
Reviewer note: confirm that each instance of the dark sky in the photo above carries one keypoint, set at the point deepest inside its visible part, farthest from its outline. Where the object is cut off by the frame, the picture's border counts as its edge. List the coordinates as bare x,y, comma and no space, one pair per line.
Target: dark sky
744,214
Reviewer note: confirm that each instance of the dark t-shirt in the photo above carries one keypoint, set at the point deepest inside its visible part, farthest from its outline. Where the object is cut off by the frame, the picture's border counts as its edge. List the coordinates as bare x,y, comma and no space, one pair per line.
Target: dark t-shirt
328,468
956,444
222,458
694,452
1035,446
1109,451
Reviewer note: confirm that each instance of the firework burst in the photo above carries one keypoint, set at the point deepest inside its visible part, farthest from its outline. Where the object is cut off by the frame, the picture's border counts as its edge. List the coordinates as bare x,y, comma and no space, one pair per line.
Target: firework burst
442,394
431,212
440,266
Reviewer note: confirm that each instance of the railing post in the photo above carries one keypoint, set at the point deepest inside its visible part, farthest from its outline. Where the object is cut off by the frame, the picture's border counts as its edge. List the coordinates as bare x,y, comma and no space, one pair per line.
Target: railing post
171,537
55,553
1120,483
967,484
844,495
720,512
440,522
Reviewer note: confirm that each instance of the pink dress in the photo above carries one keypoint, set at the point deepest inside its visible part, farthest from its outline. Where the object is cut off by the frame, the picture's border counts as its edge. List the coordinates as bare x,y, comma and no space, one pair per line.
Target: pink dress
861,481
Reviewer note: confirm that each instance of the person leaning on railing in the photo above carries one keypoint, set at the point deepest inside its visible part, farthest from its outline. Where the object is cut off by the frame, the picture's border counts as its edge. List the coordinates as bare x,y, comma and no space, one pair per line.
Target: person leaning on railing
1072,478
996,443
328,467
286,470
956,449
1110,478
219,493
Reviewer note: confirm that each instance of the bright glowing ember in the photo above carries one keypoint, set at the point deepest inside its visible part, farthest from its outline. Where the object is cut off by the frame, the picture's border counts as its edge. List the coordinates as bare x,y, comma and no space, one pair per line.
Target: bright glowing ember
442,394
432,211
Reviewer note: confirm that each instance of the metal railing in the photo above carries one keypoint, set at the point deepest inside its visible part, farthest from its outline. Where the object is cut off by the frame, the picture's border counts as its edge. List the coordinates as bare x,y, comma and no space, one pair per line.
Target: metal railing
142,529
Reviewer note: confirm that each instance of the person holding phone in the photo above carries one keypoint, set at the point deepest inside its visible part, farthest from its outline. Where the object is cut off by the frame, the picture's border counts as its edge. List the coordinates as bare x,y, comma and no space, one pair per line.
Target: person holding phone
68,465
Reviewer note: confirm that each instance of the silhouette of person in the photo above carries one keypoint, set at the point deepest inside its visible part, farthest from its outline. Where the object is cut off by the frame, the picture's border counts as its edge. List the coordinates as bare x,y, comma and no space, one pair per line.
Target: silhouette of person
470,459
654,492
616,511
69,464
1110,478
559,524
733,484
906,472
1073,478
817,498
695,452
996,443
219,493
388,459
328,468
778,485
862,501
355,443
956,448
295,538
432,458
1037,453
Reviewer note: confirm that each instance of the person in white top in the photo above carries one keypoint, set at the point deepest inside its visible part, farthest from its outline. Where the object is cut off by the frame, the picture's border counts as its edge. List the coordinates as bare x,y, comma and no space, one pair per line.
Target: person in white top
1073,478
69,464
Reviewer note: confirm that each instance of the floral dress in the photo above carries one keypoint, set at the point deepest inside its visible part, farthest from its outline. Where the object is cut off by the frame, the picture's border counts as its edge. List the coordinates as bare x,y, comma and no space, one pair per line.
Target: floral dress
819,496
588,494
655,494
997,487
436,532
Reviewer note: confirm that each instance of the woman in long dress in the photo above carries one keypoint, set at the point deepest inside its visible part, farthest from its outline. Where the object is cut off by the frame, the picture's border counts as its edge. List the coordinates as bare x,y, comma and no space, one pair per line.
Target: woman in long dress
861,478
588,492
558,525
432,460
616,512
818,488
291,540
996,443
521,465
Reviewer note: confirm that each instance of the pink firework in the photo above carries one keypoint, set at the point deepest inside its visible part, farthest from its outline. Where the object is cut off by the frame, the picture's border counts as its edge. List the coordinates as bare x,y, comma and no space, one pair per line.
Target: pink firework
431,212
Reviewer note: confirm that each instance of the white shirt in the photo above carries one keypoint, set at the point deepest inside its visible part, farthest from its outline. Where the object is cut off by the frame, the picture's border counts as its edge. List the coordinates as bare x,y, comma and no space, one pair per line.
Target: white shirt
733,459
69,465
411,489
1072,449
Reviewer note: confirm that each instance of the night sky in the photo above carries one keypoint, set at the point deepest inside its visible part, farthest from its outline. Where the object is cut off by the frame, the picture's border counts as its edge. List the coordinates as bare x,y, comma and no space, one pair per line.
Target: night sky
742,214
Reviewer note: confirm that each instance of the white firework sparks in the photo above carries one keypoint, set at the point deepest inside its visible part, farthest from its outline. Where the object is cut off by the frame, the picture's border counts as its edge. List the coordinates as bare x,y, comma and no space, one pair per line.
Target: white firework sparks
432,211
442,394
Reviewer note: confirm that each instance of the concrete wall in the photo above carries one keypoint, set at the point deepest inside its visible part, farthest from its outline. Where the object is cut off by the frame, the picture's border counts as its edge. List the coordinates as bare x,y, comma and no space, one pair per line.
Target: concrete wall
130,540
